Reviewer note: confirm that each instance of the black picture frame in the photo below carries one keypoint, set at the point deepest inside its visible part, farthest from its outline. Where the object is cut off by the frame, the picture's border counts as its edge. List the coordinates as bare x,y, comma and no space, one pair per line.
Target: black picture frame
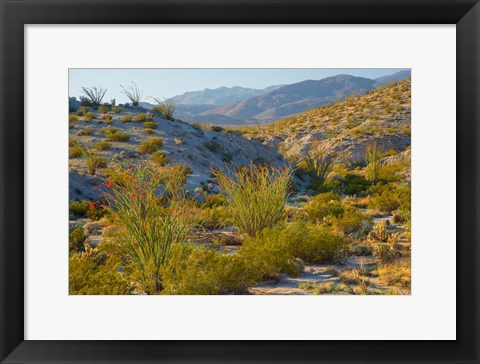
17,13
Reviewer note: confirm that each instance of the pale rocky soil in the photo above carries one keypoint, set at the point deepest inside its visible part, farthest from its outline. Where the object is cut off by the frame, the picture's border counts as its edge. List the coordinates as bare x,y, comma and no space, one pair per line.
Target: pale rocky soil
230,242
183,144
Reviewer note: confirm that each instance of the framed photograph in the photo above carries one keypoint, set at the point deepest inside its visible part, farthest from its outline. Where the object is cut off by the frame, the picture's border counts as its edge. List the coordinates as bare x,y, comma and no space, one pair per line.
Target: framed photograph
240,181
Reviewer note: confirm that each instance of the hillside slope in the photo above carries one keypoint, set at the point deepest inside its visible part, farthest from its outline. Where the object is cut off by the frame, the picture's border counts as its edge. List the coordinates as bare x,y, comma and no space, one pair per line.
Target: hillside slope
382,115
198,149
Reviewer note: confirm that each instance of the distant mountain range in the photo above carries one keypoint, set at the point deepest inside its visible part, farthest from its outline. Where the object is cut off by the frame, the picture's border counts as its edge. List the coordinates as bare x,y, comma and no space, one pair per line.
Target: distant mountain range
240,106
221,95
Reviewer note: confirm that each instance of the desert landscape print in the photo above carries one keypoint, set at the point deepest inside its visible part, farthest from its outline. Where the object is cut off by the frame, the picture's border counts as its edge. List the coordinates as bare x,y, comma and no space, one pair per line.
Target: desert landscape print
239,181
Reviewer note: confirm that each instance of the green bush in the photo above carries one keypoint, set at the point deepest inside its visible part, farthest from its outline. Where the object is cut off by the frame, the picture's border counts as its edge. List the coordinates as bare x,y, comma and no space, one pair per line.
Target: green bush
256,196
215,200
75,151
79,208
87,131
76,240
159,158
323,205
151,145
215,217
107,130
89,116
354,184
314,243
140,117
72,118
91,273
117,110
268,254
352,222
104,109
118,136
203,271
82,110
389,197
127,118
148,131
103,145
150,125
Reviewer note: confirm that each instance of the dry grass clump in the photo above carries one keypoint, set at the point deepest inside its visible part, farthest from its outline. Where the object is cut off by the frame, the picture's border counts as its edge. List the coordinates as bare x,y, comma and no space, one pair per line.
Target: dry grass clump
127,118
118,136
398,273
86,131
150,125
151,145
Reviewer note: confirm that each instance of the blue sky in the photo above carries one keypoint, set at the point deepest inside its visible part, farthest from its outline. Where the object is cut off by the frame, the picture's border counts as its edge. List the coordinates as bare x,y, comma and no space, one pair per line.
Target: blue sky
172,82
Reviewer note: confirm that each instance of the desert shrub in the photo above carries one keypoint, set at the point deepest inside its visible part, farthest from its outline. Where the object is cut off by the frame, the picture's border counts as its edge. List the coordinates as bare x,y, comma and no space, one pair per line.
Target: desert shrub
159,158
150,145
87,131
76,240
89,116
205,271
79,208
215,200
72,118
75,151
82,110
148,131
256,196
127,118
108,118
94,94
118,136
92,160
267,254
389,197
317,165
384,252
212,145
354,184
104,109
165,106
140,117
92,273
153,229
150,125
323,205
397,273
215,217
107,130
117,110
103,145
380,231
314,243
133,93
352,222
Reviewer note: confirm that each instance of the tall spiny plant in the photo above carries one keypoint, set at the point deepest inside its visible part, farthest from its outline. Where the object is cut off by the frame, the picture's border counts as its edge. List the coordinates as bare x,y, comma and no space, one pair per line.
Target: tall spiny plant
165,106
94,94
373,154
153,228
133,93
318,165
256,196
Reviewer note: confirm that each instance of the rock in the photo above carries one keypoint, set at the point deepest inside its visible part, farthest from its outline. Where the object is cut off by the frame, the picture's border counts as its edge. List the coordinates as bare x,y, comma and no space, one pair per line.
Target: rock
92,228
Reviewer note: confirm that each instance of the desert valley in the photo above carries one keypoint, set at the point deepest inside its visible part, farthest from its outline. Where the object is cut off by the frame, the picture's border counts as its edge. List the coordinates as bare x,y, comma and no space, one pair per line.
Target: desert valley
299,188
